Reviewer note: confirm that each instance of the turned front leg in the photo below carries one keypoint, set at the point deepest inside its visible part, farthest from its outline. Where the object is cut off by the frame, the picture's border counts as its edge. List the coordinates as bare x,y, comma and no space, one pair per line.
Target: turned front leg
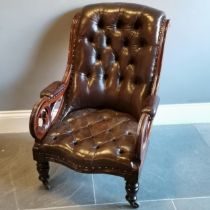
132,187
43,170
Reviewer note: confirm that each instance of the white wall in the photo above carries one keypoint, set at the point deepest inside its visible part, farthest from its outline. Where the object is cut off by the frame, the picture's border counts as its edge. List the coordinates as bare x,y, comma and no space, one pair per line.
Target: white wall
34,40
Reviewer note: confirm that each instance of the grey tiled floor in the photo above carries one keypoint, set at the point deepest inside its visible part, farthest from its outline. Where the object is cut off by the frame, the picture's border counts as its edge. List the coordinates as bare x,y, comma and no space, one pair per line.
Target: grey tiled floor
175,176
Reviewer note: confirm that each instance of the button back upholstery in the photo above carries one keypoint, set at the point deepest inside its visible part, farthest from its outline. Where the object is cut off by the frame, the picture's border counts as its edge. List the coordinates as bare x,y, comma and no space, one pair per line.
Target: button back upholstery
98,119
115,57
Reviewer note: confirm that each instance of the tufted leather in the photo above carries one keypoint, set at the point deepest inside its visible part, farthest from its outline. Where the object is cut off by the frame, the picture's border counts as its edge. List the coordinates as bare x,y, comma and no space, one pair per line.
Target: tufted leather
107,98
113,81
95,139
115,57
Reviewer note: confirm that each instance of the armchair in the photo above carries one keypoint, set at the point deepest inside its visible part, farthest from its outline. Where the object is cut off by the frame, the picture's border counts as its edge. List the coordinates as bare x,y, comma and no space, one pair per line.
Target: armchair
98,118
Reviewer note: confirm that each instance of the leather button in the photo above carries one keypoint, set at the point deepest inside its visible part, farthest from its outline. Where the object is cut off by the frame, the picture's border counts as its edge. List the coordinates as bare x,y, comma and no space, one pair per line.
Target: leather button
132,61
121,78
100,23
54,137
119,151
126,42
129,133
75,142
116,57
88,75
137,81
137,24
90,39
70,120
98,56
108,41
96,146
105,117
142,42
114,140
119,24
105,76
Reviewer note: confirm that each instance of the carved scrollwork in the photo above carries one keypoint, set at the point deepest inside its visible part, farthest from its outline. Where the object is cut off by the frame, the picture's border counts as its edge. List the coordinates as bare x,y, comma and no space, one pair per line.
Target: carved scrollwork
44,113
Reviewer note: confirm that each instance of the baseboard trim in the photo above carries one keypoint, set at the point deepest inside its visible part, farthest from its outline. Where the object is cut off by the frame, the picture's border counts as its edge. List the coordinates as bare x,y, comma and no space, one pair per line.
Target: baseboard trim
17,121
191,113
14,121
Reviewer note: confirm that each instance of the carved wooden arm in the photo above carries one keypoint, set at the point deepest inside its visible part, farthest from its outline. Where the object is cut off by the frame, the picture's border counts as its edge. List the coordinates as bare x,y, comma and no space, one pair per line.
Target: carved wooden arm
144,126
151,105
44,112
53,89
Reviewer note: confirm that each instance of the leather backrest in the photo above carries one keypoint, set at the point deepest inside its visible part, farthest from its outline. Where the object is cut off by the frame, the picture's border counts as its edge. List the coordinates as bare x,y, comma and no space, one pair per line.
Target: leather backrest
115,57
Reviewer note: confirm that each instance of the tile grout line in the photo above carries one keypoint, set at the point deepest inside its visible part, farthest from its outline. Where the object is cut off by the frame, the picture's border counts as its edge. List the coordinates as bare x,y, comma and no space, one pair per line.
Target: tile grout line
201,135
168,199
173,205
73,206
94,193
14,190
190,198
111,203
75,192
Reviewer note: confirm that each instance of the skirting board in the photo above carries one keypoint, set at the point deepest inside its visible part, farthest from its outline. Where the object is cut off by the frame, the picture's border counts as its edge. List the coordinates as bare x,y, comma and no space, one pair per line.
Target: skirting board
17,121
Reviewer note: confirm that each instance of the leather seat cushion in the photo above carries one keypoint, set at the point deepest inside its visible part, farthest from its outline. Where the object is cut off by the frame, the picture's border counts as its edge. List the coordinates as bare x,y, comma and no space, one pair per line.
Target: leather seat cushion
94,139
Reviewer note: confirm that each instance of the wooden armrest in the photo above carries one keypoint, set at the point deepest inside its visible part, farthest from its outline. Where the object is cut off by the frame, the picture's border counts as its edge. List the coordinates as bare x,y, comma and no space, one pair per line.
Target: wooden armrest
151,105
42,113
54,89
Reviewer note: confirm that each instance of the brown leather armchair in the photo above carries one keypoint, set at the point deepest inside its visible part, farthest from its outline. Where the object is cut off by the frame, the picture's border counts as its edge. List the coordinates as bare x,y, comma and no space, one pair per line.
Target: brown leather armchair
98,118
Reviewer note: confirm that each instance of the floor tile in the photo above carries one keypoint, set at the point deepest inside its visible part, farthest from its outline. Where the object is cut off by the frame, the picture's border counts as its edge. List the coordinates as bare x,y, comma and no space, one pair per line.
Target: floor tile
109,189
7,192
7,201
7,189
157,205
177,165
204,130
68,187
193,204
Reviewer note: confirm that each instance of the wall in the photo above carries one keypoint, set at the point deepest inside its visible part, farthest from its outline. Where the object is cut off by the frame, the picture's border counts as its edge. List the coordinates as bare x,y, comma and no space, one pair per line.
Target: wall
34,41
